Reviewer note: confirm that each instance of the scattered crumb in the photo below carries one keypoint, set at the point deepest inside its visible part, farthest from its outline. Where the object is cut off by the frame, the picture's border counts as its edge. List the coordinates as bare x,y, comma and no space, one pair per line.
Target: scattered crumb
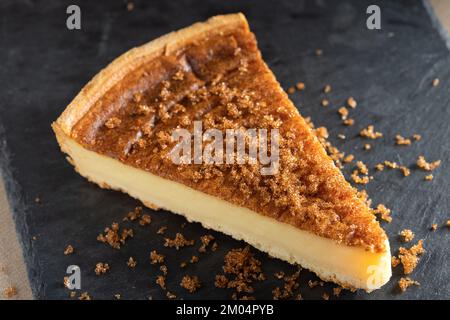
435,82
72,294
349,122
37,200
447,223
164,269
194,259
417,137
401,141
407,235
170,295
370,133
359,180
113,237
214,247
9,292
156,258
343,111
179,242
337,291
362,167
409,257
327,88
434,227
367,146
404,283
291,90
379,167
117,296
429,177
101,268
66,282
300,86
221,281
191,284
135,214
145,220
161,230
349,158
351,102
279,275
84,296
325,296
313,284
406,172
131,263
325,103
205,240
183,264
290,285
318,52
68,250
161,281
384,212
423,164
341,136
395,261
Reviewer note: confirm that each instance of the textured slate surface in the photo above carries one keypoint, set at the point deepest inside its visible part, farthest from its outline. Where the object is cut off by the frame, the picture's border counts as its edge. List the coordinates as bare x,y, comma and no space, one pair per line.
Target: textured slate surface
388,71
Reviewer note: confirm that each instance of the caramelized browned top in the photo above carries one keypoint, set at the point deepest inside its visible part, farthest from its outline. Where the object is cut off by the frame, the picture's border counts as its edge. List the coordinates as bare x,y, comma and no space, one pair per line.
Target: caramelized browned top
223,81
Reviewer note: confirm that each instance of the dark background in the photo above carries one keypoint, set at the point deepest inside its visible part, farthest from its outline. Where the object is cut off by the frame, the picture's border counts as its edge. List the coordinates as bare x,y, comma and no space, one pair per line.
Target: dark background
388,71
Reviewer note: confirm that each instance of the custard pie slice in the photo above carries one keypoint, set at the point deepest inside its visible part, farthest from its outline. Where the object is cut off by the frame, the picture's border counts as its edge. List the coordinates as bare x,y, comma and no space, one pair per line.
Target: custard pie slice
118,133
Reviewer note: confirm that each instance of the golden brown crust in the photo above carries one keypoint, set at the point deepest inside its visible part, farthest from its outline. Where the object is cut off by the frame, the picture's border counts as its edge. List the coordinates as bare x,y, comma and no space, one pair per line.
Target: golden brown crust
136,57
309,193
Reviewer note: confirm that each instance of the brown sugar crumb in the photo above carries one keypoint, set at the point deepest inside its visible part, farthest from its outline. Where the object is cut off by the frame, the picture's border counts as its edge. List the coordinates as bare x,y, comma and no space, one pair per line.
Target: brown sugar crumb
384,212
113,122
407,235
183,264
370,133
351,102
401,141
362,167
117,296
101,268
114,237
434,227
417,137
359,180
156,258
131,263
68,250
429,177
423,164
343,111
145,220
84,296
405,283
161,230
447,223
325,296
409,257
194,259
179,242
367,146
291,90
245,268
135,214
66,282
72,294
206,240
318,52
279,275
327,88
300,86
349,158
337,291
435,82
164,269
341,136
379,167
9,292
406,172
191,284
290,285
390,165
170,295
394,261
313,284
161,281
349,122
221,281
214,247
325,103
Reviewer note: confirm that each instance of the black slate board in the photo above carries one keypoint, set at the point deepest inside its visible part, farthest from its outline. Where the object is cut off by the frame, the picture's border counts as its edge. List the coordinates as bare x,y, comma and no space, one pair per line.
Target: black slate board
389,72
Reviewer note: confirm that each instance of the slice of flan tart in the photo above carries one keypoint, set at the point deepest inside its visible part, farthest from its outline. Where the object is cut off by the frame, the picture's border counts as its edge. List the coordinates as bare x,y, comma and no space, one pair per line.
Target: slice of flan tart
124,130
